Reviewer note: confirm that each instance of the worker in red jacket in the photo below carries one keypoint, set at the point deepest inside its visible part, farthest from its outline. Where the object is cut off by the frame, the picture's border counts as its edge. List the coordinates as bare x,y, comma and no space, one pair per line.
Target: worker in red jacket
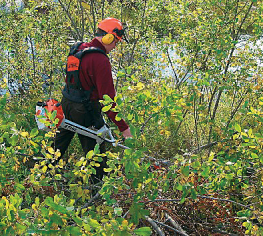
87,84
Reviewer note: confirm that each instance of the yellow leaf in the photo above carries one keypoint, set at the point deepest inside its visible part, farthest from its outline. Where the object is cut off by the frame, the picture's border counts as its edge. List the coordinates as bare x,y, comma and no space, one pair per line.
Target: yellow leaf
42,163
34,207
125,223
106,108
57,154
140,86
24,134
48,156
85,5
51,150
44,169
143,138
117,118
198,64
61,163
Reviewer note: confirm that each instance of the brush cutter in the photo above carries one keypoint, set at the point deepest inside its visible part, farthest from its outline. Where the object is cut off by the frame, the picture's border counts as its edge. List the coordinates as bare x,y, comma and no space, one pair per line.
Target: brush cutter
52,110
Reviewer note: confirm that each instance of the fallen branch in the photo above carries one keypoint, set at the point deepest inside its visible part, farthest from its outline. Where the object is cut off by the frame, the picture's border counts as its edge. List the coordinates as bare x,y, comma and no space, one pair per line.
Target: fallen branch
162,200
155,226
169,227
201,148
209,145
175,224
91,200
224,200
200,196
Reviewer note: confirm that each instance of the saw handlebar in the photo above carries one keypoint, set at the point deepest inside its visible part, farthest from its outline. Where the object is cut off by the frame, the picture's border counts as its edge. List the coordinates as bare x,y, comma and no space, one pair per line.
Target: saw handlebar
101,135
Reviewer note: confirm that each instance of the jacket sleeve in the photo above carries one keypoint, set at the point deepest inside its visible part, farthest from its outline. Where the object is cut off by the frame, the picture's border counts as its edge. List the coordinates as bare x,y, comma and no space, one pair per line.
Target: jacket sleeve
102,78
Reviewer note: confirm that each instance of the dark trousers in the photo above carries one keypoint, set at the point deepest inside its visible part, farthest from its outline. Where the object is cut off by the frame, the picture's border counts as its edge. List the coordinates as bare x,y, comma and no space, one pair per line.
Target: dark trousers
77,113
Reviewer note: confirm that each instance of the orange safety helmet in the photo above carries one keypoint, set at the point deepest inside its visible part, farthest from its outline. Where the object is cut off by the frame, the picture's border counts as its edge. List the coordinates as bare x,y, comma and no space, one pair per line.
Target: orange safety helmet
112,26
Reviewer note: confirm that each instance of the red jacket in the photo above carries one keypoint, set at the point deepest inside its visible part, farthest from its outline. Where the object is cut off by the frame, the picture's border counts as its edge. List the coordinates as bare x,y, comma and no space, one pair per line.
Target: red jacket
95,71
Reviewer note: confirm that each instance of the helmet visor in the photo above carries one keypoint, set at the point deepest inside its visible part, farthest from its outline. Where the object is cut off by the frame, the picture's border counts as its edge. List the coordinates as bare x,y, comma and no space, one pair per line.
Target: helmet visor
120,34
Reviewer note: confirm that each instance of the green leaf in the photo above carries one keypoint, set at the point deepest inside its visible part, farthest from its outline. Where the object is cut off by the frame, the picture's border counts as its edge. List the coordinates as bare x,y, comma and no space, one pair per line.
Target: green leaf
49,201
21,227
128,70
34,132
118,211
193,194
206,171
96,149
57,219
133,130
19,187
106,108
117,117
10,231
185,171
107,169
118,101
179,187
94,223
78,220
44,211
74,231
53,115
254,155
244,213
237,128
13,140
22,214
196,164
107,98
120,74
5,135
145,231
137,212
129,117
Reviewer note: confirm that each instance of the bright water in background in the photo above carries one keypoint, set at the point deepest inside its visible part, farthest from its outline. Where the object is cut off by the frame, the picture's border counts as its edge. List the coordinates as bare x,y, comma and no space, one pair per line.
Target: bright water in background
243,44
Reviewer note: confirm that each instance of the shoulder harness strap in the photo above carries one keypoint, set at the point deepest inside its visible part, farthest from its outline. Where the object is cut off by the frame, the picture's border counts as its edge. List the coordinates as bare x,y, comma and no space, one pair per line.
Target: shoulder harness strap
74,61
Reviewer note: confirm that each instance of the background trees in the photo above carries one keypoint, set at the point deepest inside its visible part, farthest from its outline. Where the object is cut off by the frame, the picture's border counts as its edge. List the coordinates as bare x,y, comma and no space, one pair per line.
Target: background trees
189,84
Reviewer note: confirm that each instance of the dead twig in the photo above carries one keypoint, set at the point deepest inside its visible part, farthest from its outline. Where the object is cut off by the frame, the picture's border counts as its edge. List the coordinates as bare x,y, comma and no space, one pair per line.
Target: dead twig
169,227
175,224
155,226
224,200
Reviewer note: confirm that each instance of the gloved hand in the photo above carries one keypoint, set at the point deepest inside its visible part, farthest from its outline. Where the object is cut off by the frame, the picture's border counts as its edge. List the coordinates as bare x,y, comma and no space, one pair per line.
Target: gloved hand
127,133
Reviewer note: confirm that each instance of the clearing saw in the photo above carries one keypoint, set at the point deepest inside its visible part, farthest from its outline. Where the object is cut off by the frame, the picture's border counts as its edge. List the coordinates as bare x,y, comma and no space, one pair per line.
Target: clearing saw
52,108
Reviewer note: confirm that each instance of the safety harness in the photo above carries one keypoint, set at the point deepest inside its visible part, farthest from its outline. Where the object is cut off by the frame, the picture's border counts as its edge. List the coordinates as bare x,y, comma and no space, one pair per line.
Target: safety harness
74,91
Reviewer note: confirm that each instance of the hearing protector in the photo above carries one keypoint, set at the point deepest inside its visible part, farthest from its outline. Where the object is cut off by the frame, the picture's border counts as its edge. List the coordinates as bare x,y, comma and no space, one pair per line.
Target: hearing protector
108,39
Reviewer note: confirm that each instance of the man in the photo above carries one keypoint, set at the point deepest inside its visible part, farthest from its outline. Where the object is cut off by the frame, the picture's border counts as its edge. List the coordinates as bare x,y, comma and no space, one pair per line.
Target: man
95,80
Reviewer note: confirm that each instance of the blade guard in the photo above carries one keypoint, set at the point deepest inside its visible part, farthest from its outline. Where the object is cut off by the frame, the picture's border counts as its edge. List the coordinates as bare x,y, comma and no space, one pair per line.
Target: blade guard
50,105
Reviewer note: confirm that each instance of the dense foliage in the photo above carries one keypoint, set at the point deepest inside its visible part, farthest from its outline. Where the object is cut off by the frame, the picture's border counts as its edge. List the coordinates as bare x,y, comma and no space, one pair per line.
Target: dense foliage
189,85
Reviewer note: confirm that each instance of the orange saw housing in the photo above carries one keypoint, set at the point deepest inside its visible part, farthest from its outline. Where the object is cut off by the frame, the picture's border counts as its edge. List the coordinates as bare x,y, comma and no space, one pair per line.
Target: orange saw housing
50,105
